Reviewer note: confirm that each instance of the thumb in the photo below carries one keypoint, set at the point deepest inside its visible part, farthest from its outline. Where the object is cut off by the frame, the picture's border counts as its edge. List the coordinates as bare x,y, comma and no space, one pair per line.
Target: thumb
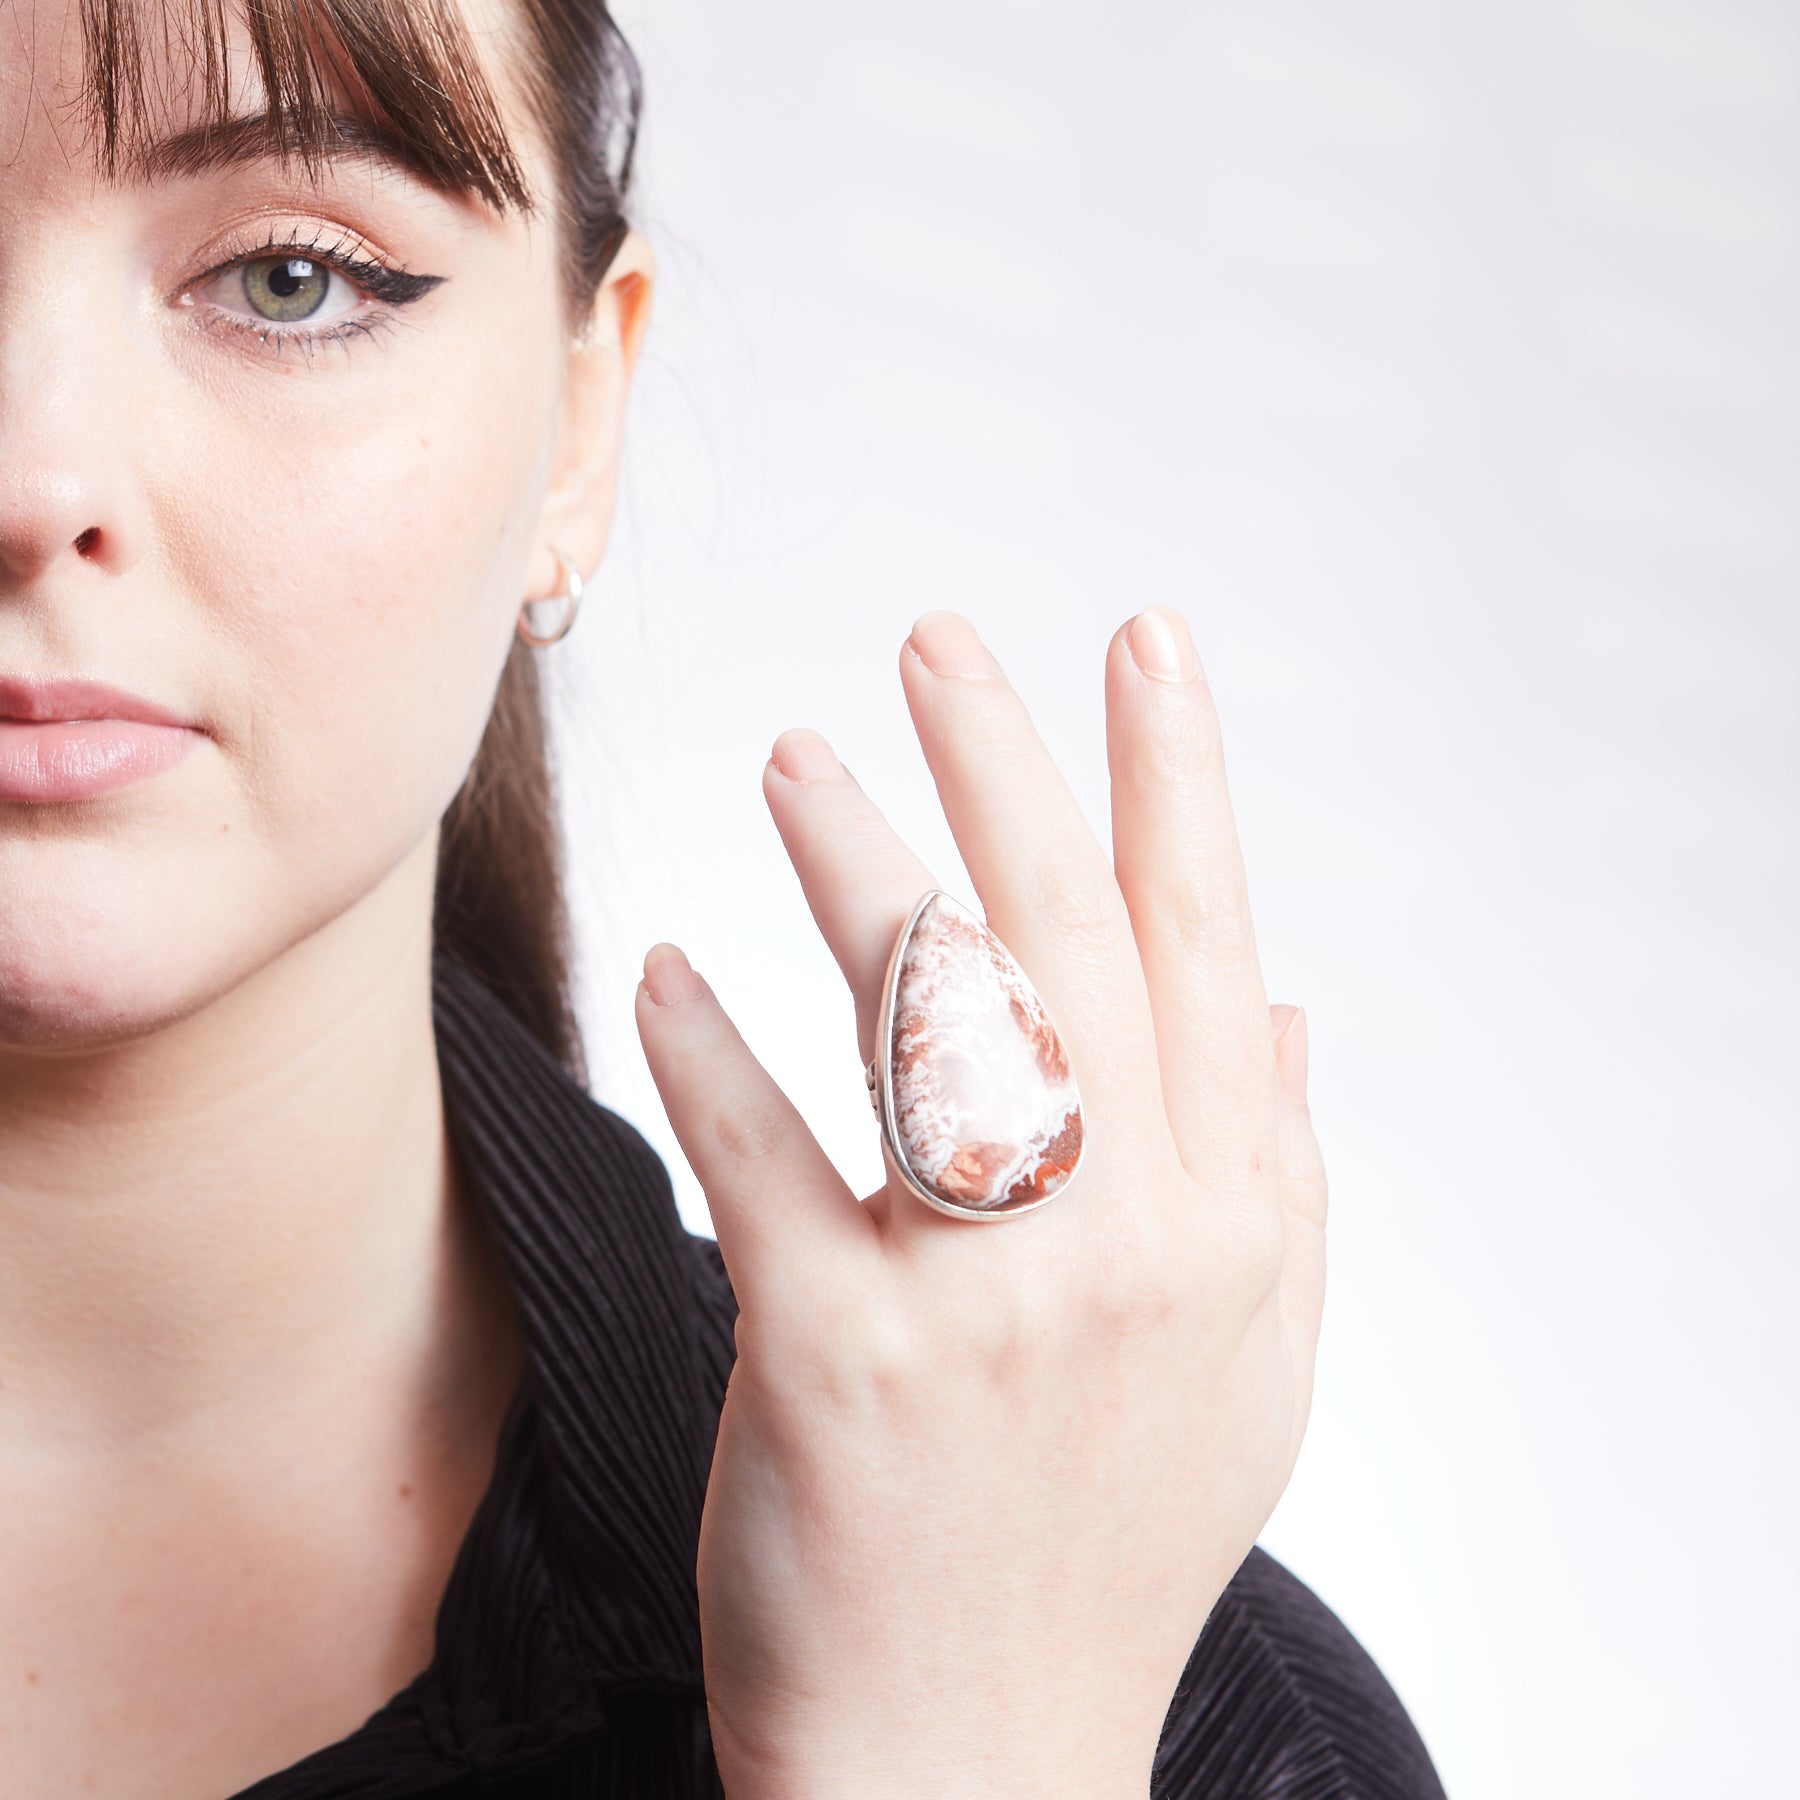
779,1207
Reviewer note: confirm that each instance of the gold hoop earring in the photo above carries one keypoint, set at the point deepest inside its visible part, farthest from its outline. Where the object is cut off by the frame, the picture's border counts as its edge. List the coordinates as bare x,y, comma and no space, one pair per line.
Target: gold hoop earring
571,594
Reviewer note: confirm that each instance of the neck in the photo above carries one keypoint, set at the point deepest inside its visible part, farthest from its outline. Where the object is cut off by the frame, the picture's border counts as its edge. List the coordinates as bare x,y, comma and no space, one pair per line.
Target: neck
247,1215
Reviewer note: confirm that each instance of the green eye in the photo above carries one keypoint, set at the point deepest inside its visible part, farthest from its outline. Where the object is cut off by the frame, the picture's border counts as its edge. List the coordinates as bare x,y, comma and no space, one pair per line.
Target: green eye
285,288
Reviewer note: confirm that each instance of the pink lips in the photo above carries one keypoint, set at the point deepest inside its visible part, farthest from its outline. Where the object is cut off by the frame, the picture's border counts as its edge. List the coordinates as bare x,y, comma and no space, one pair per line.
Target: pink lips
74,740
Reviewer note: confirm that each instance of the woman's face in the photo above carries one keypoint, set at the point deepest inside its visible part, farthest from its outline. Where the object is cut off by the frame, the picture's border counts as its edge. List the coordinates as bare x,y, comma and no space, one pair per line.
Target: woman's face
299,516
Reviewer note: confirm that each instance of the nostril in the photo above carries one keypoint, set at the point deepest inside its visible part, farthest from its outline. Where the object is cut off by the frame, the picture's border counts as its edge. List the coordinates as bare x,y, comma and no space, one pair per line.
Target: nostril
88,539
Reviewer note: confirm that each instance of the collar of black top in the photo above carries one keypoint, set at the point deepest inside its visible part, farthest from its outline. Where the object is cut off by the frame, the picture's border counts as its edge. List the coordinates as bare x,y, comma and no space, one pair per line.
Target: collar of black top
576,1579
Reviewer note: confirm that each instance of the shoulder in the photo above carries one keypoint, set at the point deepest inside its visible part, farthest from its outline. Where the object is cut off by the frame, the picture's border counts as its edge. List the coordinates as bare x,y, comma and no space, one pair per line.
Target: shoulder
1280,1699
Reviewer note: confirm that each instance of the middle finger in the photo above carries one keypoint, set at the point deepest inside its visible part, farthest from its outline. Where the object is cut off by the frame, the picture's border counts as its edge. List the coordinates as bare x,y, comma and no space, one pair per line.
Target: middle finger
1044,879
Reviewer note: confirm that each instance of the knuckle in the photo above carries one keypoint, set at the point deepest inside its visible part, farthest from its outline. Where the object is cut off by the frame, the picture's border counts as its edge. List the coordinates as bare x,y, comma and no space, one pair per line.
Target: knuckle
1252,1246
1184,750
1009,1330
886,1351
859,828
1072,904
1210,921
752,1130
1140,1274
863,1360
994,735
859,1359
749,1342
1309,1191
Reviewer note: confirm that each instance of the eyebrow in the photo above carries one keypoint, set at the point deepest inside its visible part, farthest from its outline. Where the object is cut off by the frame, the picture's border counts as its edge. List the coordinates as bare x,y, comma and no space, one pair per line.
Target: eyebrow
216,147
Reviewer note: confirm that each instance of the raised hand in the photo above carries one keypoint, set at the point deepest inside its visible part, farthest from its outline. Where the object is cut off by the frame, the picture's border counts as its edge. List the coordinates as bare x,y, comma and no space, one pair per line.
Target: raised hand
978,1485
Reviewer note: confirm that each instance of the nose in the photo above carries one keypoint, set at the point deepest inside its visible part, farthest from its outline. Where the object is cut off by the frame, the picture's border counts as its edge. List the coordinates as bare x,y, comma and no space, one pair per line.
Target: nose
66,494
38,510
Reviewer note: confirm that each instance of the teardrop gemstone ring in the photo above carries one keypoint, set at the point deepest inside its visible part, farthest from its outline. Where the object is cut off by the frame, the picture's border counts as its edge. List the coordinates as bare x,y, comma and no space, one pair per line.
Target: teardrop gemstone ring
979,1110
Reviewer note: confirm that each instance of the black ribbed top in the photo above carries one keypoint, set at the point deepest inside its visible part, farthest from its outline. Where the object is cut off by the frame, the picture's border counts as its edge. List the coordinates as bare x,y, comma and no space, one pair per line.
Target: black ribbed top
567,1661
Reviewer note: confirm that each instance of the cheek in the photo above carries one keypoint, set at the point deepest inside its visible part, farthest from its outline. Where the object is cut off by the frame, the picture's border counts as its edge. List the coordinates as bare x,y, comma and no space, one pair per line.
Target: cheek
378,608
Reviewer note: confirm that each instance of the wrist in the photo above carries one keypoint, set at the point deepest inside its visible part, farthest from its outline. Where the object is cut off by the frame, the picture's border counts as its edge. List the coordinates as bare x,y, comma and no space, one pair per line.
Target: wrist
900,1782
852,1763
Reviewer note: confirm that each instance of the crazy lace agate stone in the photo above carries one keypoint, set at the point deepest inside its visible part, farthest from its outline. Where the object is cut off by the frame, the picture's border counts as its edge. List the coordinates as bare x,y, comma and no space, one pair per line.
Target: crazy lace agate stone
986,1111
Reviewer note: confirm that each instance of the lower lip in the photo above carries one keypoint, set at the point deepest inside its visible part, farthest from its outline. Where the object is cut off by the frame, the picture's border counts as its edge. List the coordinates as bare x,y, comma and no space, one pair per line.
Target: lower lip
78,759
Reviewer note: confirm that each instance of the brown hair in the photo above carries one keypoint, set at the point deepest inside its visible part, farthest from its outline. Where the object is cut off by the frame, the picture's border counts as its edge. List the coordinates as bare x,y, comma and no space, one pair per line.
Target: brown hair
500,905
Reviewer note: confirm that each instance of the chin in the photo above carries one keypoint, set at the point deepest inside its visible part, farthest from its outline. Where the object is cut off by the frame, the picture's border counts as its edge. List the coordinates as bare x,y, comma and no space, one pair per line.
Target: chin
104,939
84,966
62,996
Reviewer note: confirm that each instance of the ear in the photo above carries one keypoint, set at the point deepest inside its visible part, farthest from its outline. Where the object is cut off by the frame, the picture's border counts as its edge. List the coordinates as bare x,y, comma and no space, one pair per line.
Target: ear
584,484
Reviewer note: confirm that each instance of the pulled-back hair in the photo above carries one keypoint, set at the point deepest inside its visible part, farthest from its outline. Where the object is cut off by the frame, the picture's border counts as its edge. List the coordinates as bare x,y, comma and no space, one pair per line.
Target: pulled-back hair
410,65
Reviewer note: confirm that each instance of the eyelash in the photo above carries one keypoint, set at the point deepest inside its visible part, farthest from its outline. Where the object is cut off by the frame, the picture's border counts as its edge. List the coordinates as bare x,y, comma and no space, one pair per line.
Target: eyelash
393,288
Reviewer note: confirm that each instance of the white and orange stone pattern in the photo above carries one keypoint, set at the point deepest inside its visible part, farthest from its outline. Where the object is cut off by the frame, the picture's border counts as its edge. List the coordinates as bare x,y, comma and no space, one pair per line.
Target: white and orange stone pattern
986,1109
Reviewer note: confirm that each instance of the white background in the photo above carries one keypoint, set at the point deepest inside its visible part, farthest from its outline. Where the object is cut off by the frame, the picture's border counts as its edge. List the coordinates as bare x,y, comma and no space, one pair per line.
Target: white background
1440,363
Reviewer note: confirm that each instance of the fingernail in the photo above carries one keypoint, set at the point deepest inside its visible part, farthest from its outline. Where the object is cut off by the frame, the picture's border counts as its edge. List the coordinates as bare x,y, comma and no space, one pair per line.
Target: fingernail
947,645
670,976
1160,644
1290,1055
801,754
